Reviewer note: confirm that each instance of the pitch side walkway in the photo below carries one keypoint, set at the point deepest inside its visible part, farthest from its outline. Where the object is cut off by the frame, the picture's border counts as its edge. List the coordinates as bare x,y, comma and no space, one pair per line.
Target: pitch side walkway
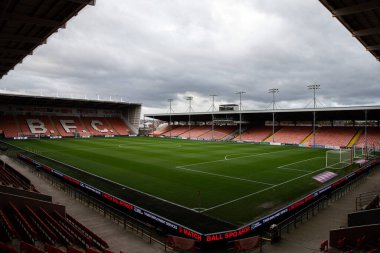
117,238
308,236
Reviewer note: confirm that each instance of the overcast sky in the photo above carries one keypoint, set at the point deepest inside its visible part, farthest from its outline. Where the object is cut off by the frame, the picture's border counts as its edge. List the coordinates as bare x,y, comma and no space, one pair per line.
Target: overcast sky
150,50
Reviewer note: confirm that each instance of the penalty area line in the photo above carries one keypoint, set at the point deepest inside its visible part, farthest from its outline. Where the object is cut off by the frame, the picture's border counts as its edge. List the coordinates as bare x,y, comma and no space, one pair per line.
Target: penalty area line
234,158
225,176
260,191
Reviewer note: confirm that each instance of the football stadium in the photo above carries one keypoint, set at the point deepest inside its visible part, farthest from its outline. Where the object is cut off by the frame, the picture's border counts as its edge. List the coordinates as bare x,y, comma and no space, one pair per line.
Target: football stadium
229,179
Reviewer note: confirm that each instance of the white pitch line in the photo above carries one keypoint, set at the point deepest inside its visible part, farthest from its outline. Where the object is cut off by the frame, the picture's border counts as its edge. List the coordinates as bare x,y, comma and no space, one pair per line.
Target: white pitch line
299,162
121,185
226,157
257,192
220,160
220,175
293,169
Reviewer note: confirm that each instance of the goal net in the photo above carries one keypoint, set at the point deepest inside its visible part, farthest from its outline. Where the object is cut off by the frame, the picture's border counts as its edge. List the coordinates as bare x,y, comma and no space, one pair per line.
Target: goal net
338,159
358,152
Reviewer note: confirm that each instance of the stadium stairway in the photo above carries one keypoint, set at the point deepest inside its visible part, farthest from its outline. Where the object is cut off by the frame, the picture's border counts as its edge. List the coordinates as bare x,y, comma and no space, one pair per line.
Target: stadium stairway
292,134
255,134
308,137
355,138
235,134
270,137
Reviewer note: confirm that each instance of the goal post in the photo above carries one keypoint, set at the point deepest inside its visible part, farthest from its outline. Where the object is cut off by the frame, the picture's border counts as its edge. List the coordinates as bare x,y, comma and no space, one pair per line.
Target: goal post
338,159
358,152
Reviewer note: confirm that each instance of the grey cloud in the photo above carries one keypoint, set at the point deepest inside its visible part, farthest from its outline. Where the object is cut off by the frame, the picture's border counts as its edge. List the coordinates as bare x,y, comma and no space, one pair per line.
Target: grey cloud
150,50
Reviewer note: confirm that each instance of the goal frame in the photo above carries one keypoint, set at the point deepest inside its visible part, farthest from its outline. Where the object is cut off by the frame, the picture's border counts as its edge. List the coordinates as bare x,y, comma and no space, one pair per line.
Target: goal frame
342,159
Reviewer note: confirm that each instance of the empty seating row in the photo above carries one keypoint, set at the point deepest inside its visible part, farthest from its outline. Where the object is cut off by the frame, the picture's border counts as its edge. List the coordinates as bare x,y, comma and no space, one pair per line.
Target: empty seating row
292,135
21,126
372,135
162,130
255,134
176,131
28,230
219,133
8,124
326,136
49,235
96,239
7,226
52,228
333,136
118,125
34,221
196,132
10,177
73,230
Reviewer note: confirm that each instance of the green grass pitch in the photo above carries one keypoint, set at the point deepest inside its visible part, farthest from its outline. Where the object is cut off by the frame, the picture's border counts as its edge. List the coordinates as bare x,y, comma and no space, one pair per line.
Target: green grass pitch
233,182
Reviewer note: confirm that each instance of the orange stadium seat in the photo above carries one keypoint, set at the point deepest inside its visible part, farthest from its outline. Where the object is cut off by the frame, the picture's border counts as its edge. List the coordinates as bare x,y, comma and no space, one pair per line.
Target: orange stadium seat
73,124
333,136
292,135
219,133
177,131
162,130
98,126
256,134
8,124
118,125
196,132
373,137
37,125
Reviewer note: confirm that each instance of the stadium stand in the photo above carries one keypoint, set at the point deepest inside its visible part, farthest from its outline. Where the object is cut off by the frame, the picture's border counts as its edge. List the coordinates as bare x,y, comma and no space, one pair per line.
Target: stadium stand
177,131
196,132
373,138
98,126
333,136
30,125
160,131
66,126
219,133
41,226
10,177
292,135
118,125
255,134
9,126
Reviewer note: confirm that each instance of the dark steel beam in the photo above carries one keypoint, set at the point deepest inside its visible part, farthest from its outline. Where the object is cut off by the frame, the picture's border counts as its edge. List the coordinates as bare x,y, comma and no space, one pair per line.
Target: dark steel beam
15,51
30,20
90,2
357,8
4,68
9,61
13,37
366,32
373,48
